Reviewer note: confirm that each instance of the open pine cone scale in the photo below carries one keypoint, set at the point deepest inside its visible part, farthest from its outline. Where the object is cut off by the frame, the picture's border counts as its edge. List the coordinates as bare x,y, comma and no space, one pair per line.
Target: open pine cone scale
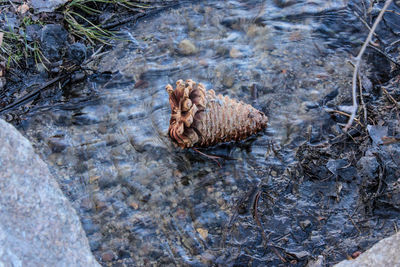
201,118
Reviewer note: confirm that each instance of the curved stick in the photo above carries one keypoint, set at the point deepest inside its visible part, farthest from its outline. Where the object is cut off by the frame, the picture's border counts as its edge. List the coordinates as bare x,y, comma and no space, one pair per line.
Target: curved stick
358,62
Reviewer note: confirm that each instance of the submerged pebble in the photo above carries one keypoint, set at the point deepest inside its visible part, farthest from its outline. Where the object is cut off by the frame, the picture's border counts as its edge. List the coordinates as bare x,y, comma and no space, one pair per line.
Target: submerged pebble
187,48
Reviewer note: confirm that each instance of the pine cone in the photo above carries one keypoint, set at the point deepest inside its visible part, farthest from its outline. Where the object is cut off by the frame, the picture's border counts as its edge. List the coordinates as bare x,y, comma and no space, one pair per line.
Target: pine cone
201,118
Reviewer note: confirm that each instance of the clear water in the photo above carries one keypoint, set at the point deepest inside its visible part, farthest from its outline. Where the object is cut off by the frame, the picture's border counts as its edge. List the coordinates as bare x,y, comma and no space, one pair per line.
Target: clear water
144,201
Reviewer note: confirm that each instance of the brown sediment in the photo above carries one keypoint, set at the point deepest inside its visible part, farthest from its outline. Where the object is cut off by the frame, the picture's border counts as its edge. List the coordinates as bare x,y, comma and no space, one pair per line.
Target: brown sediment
201,118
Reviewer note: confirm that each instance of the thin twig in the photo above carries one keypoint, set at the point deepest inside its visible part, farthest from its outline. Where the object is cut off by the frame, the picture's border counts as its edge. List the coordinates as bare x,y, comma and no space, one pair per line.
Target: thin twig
390,97
355,225
347,115
32,94
362,100
385,55
365,24
214,158
358,62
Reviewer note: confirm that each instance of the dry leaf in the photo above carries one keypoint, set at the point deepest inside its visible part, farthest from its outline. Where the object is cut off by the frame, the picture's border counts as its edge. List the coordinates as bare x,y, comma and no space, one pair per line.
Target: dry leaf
1,38
23,8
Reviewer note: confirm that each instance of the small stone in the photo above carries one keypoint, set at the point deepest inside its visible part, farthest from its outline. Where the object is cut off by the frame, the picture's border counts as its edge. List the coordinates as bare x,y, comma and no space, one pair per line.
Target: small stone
56,144
319,262
86,204
228,81
77,53
134,205
180,213
186,47
78,77
53,40
33,32
107,256
368,166
202,232
304,224
356,254
203,62
177,174
235,53
207,258
232,37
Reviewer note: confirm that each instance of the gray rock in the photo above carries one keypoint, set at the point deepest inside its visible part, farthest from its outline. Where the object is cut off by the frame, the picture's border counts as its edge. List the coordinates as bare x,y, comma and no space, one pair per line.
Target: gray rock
53,40
376,133
46,5
77,53
38,226
383,253
368,166
33,32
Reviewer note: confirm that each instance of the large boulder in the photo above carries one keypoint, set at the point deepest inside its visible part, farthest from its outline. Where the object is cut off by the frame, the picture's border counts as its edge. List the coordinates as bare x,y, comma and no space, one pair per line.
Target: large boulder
38,226
384,253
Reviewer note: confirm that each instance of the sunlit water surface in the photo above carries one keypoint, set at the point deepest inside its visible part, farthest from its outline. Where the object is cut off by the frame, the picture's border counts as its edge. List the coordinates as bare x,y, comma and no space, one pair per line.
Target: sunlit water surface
143,201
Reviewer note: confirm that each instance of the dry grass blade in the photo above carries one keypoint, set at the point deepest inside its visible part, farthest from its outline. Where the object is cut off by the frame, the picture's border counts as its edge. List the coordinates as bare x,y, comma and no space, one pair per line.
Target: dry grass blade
358,63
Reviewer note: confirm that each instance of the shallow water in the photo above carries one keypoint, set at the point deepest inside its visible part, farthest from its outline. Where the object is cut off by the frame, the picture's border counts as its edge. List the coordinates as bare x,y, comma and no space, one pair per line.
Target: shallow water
143,201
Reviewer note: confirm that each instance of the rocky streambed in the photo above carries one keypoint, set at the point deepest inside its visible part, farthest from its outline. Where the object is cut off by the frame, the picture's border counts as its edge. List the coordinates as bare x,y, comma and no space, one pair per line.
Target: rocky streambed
303,192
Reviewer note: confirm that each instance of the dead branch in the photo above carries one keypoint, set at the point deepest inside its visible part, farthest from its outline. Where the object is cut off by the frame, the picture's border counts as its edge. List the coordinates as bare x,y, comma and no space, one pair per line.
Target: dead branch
358,63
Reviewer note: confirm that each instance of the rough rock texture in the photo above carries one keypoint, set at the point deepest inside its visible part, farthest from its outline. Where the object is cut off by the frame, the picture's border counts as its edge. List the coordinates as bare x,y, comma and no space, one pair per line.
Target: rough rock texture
202,118
38,226
46,5
383,253
53,41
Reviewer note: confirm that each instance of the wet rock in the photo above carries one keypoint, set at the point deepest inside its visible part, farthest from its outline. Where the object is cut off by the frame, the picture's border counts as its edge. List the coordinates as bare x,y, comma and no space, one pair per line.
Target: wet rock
57,144
107,256
384,253
319,262
38,226
222,51
231,22
77,53
53,40
78,76
235,53
284,3
46,5
376,133
232,37
186,48
228,80
33,32
305,224
368,166
342,168
9,21
299,255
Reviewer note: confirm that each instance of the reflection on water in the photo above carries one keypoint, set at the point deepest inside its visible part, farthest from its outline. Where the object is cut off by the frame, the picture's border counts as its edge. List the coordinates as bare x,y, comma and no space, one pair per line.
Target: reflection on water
141,200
